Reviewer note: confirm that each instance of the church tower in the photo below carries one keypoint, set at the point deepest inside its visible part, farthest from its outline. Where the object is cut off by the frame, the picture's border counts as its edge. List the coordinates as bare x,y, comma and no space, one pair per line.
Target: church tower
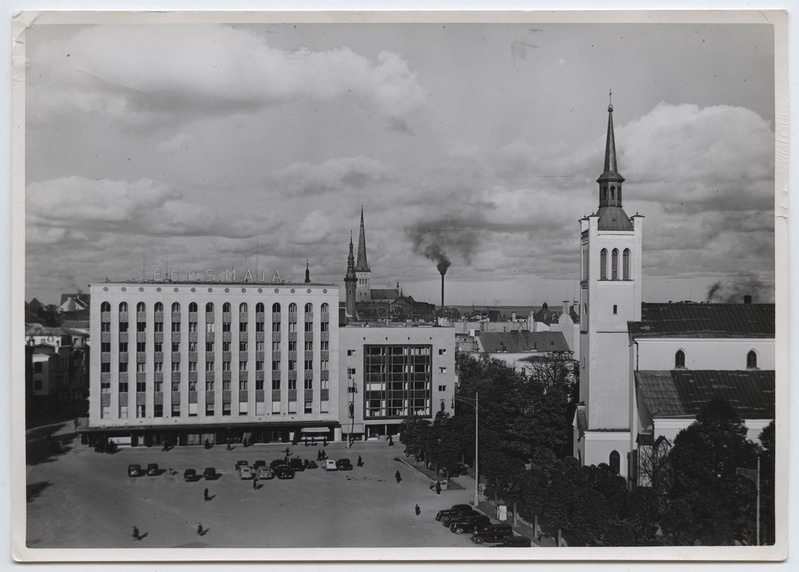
610,296
350,281
362,272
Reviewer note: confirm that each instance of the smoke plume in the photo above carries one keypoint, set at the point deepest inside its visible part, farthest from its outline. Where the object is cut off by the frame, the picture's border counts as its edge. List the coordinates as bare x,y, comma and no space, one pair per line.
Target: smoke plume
435,238
734,292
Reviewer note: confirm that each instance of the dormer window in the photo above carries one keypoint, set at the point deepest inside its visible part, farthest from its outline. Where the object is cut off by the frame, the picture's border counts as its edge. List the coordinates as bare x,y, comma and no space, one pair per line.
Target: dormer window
751,360
679,360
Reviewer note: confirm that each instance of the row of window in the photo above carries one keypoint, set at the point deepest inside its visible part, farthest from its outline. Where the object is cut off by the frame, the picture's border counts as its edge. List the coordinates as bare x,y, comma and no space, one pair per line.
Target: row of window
614,264
210,409
751,360
209,307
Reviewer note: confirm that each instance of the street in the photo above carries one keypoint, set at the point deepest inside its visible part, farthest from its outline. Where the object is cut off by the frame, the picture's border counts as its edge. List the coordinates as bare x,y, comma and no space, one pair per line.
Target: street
85,499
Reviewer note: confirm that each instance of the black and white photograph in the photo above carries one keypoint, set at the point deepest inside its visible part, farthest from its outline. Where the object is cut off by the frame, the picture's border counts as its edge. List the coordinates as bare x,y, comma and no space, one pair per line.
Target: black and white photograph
400,286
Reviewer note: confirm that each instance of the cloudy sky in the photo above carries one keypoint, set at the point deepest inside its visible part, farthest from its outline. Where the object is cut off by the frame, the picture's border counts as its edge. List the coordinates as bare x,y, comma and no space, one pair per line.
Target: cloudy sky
233,146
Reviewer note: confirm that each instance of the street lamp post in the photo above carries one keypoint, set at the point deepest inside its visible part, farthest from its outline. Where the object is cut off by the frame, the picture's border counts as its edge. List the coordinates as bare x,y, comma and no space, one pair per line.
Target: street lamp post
474,403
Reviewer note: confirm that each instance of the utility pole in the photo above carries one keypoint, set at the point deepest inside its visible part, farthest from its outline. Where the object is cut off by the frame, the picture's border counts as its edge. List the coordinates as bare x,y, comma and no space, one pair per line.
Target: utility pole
474,403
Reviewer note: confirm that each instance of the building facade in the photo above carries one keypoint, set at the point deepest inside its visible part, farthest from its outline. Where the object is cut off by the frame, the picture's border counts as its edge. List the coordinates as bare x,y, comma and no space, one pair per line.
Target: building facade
390,373
194,361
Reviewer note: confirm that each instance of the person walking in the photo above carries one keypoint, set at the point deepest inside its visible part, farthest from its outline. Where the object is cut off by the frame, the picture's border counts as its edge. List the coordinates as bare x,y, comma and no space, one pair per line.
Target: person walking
205,495
255,484
438,487
418,510
390,440
136,533
398,477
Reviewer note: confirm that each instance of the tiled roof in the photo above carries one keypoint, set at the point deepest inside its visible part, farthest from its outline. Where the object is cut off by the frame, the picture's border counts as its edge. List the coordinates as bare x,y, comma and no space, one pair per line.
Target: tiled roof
523,341
613,218
683,393
696,320
385,294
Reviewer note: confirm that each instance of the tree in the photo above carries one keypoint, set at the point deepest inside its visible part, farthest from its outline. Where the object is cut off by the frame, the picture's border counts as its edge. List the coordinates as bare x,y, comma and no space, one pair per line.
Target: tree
767,439
653,465
414,434
444,443
704,460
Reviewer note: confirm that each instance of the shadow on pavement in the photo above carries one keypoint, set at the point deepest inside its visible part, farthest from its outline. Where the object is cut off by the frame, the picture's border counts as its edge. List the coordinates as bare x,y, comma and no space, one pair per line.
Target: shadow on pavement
44,450
35,489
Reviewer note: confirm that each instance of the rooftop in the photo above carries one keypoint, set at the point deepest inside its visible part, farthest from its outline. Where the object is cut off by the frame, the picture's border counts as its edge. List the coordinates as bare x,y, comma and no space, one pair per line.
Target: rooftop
522,342
683,393
697,320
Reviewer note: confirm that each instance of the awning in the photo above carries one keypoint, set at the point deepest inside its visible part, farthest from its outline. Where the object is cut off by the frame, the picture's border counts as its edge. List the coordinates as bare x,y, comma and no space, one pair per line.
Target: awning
316,430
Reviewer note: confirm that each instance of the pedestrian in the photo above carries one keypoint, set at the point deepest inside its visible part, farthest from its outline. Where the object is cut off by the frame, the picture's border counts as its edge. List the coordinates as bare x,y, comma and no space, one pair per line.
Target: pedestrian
360,461
390,441
287,452
200,528
205,495
438,488
228,447
418,510
324,442
255,484
398,477
136,533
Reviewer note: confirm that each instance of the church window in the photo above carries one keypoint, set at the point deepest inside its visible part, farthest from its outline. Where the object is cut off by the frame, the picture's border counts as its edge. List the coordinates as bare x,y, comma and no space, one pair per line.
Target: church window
751,360
612,193
605,193
243,308
603,264
209,307
123,307
275,308
159,307
105,307
615,462
679,359
140,307
226,307
614,264
325,308
175,307
626,264
259,308
308,308
193,308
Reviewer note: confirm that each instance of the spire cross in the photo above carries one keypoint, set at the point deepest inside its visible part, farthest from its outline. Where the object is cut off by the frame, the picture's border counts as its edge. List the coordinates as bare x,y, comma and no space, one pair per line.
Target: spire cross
610,100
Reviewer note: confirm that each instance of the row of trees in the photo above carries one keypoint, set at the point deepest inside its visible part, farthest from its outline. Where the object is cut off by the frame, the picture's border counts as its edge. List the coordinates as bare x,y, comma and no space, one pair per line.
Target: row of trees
696,493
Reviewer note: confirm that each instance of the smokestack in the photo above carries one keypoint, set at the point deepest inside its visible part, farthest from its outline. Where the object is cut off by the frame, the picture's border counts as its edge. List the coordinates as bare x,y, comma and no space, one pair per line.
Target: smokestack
747,299
442,290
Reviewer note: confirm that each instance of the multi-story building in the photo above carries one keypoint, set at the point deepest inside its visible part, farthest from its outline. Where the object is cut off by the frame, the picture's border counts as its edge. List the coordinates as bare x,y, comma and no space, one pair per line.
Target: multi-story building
390,373
183,363
188,362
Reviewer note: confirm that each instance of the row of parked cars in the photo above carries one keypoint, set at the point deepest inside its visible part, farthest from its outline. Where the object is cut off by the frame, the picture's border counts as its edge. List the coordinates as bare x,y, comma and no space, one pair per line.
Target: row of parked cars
462,518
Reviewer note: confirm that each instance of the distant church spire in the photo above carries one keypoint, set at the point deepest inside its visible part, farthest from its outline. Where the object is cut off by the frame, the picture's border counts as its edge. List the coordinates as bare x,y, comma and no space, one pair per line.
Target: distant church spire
351,261
361,265
610,180
350,281
307,273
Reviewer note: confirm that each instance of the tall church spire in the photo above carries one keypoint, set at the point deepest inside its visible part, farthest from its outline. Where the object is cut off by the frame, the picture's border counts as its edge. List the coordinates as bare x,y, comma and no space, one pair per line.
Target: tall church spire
610,180
361,265
307,272
350,281
351,261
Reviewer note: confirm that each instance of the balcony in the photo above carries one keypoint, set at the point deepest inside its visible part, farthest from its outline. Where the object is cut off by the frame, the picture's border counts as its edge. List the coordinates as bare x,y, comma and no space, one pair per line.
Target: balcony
209,396
193,376
259,395
175,336
141,376
158,397
141,336
175,397
243,397
158,376
123,337
308,395
227,356
105,337
325,394
193,337
123,377
243,356
123,398
225,376
292,395
259,336
259,356
176,357
158,337
209,336
209,376
141,357
192,396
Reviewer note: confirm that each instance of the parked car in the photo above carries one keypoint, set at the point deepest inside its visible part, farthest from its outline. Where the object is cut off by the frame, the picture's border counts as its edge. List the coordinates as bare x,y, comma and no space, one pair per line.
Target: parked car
276,463
265,473
297,464
312,465
135,471
458,469
514,541
284,472
330,465
257,464
245,472
344,465
450,518
494,534
456,508
469,524
190,476
153,470
240,464
210,474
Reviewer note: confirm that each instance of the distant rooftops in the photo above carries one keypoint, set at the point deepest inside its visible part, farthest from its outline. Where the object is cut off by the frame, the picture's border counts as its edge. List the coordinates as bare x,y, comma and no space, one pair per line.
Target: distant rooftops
697,320
683,393
216,284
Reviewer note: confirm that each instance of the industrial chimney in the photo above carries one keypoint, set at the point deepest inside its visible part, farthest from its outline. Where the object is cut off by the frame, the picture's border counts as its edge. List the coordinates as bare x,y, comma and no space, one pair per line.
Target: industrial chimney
747,299
442,290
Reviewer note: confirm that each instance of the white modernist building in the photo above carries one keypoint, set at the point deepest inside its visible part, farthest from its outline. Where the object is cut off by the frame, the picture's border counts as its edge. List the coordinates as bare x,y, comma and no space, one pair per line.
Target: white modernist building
183,363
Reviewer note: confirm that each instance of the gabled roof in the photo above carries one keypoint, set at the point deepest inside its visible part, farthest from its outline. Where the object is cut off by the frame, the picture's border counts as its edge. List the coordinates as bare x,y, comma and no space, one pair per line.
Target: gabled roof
81,298
683,393
522,342
696,320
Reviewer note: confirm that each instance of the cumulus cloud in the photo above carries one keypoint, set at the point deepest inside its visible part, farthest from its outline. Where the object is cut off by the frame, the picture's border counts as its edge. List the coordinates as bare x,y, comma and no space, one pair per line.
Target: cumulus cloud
218,67
335,174
140,207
